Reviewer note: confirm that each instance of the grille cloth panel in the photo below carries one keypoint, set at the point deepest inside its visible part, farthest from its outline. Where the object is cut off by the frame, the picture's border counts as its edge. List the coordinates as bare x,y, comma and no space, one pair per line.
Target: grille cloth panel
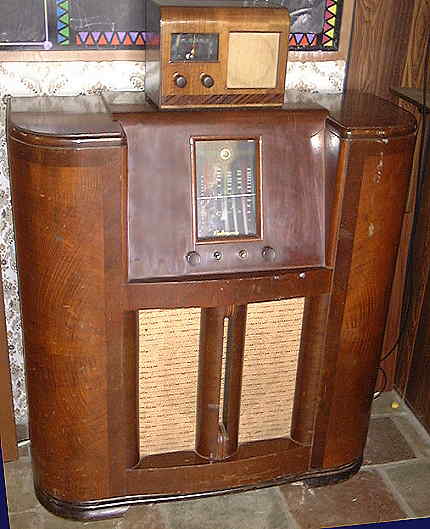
168,362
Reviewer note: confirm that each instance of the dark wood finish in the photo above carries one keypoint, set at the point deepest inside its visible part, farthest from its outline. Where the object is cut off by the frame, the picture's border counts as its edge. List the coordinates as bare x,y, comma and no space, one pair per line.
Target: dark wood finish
228,290
8,439
101,509
378,172
379,44
62,374
417,393
210,438
308,380
225,100
79,307
412,76
291,184
168,17
413,69
387,49
264,461
234,353
397,366
413,374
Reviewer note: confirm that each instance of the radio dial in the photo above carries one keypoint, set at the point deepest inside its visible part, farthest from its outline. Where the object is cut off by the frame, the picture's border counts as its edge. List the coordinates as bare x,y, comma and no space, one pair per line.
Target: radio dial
206,80
180,80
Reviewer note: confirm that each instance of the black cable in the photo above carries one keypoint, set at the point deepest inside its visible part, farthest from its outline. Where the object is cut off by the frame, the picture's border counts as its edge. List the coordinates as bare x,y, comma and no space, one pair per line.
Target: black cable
378,393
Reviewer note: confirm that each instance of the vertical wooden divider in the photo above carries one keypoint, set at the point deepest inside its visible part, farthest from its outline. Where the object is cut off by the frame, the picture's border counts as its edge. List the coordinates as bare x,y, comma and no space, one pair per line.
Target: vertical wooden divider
233,378
209,382
217,438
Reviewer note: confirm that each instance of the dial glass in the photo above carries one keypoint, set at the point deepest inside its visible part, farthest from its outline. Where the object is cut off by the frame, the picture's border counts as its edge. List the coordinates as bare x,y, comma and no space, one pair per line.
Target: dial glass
226,189
194,47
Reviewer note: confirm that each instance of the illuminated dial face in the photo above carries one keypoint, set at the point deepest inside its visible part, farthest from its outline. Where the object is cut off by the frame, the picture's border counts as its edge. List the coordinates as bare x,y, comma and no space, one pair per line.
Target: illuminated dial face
194,47
226,189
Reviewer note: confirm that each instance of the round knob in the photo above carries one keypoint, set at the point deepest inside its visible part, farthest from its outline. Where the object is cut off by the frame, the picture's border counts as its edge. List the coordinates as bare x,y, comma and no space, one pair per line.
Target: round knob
243,254
193,258
206,80
268,253
180,80
217,255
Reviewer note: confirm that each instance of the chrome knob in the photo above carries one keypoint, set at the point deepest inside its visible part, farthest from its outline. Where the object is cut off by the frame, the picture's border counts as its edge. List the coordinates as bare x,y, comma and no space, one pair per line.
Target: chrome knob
268,253
193,258
206,80
180,80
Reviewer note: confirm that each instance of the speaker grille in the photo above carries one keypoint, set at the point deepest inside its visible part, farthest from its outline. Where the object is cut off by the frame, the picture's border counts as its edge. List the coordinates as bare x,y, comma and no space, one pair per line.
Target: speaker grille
169,345
273,332
168,365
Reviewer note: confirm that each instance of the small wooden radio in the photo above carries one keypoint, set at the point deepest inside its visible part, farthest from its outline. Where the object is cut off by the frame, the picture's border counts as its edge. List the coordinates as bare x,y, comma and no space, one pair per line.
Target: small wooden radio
216,54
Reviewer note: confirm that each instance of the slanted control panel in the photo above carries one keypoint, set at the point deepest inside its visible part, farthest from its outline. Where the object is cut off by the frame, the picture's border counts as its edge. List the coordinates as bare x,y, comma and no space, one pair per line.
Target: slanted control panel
226,197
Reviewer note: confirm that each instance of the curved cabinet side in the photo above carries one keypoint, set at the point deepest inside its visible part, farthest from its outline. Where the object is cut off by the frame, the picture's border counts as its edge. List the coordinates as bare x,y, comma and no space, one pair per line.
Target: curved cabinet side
380,171
58,214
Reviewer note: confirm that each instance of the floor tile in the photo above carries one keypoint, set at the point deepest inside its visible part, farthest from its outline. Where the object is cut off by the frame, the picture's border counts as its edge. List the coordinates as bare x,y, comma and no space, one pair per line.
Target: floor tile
361,499
384,404
385,443
415,434
412,481
19,485
262,509
26,520
42,519
142,517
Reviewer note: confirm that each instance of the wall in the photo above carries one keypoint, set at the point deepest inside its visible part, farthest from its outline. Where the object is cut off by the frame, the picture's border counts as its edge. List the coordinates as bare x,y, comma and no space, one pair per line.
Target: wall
74,78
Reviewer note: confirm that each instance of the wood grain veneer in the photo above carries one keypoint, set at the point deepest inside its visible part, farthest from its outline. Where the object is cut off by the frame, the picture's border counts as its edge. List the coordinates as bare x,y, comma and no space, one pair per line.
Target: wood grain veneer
80,307
245,32
379,44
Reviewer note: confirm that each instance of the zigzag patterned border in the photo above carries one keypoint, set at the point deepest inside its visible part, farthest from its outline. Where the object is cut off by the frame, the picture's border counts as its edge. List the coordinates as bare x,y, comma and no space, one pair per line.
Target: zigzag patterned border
327,40
110,38
62,17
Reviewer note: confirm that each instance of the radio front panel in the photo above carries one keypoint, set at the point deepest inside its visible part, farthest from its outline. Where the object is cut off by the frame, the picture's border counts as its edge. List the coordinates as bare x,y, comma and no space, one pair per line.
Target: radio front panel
226,196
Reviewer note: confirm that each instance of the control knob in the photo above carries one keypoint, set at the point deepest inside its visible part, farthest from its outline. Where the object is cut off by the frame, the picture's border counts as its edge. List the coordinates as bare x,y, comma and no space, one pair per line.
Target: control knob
268,253
193,258
206,80
180,80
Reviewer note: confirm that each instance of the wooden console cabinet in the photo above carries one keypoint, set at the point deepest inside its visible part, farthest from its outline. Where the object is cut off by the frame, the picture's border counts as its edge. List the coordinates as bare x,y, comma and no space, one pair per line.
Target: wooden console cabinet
106,227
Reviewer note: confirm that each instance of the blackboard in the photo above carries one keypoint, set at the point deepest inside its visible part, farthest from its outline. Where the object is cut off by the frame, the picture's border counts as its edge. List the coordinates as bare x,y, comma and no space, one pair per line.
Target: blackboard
24,23
120,24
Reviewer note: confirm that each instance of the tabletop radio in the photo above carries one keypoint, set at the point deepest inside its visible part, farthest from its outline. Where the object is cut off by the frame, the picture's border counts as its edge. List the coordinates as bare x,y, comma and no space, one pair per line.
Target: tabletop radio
216,53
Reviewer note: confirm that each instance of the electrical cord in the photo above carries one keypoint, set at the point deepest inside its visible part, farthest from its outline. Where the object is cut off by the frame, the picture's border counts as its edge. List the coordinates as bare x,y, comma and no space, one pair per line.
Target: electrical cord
378,393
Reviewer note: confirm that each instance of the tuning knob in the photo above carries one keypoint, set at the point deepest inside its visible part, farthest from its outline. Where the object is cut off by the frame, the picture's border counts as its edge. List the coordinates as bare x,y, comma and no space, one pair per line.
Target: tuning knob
268,253
193,258
180,80
206,80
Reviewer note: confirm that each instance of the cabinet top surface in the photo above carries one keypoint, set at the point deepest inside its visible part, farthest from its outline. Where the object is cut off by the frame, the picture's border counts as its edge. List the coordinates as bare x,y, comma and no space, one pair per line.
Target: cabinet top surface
351,114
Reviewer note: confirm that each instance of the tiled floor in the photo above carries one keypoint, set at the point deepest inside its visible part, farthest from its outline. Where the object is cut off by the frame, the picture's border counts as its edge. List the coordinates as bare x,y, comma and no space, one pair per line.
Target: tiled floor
394,483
